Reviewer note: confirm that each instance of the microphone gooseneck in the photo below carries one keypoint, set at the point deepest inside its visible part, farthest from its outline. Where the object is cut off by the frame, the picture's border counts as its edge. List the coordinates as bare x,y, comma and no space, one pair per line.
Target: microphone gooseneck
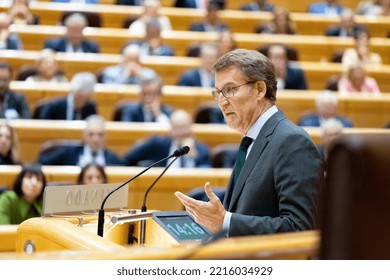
177,153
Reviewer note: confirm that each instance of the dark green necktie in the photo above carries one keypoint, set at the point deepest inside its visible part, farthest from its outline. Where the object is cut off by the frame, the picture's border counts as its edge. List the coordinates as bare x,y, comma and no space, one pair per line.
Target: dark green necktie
241,156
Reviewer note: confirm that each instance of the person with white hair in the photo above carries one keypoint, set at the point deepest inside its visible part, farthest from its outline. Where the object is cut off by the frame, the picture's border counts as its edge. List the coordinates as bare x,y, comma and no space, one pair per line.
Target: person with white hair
77,105
74,40
130,71
326,108
332,129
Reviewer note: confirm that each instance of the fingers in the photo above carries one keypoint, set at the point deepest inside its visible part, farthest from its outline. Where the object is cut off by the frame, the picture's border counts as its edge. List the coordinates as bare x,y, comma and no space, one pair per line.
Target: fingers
210,194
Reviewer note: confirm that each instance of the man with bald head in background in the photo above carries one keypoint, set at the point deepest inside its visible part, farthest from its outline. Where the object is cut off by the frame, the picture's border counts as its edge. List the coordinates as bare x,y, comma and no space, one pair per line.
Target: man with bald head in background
276,178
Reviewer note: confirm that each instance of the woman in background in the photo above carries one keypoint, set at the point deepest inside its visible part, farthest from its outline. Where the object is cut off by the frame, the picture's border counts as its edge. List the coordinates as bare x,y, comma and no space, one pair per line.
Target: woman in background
92,173
26,199
9,145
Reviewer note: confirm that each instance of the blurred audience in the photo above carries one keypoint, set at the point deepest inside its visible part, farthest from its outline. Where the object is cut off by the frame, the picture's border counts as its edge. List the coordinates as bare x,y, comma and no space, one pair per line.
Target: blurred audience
92,173
152,43
327,7
157,147
19,13
357,80
201,76
289,74
198,4
374,8
77,105
149,107
12,105
331,130
25,200
211,21
225,42
73,41
258,5
326,108
150,13
77,1
9,145
92,150
8,40
47,68
130,71
281,23
347,27
129,2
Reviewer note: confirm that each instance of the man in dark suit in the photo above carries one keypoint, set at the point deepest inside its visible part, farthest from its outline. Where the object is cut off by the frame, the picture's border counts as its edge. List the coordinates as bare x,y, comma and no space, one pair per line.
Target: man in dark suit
92,150
149,108
211,22
347,27
158,147
77,105
258,5
74,40
201,76
12,105
275,183
289,74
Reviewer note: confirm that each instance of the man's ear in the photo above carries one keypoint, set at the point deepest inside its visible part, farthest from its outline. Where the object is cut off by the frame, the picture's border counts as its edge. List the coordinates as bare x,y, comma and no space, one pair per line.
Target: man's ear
261,88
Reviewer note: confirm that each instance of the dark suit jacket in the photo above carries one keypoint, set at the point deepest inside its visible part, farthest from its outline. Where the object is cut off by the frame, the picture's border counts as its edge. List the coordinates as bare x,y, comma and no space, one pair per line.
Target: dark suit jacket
201,27
133,112
16,101
295,78
128,2
190,78
56,110
185,4
59,45
314,120
277,188
336,31
70,156
255,7
156,148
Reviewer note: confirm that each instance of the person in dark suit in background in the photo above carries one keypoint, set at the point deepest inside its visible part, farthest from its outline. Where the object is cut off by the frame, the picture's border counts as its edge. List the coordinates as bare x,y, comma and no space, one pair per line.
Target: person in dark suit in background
211,22
157,147
92,150
274,187
197,4
347,27
201,76
129,2
77,105
258,5
149,108
12,105
289,74
74,40
327,8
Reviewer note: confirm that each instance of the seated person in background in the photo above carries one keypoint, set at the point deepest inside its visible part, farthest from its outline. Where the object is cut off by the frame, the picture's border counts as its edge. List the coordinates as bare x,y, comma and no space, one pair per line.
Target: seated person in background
369,8
129,2
328,8
332,129
326,108
92,150
129,71
9,145
198,4
47,66
73,41
149,107
19,13
361,52
8,40
225,42
357,80
211,22
92,173
78,104
158,147
289,75
26,199
12,105
201,76
152,43
281,23
258,5
150,13
347,27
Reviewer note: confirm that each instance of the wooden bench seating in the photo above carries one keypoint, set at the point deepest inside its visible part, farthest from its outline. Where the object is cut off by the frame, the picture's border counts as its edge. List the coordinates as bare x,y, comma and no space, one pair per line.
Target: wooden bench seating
363,110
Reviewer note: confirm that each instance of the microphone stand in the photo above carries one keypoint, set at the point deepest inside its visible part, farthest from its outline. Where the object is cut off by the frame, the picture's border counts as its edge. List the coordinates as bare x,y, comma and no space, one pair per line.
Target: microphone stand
144,209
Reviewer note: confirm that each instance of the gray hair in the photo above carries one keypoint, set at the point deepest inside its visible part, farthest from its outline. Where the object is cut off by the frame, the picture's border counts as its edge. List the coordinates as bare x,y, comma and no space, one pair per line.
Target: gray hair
253,65
83,82
326,96
76,18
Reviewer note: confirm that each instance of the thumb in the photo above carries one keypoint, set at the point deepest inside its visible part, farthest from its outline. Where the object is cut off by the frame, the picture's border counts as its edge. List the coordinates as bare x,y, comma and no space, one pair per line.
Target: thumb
209,192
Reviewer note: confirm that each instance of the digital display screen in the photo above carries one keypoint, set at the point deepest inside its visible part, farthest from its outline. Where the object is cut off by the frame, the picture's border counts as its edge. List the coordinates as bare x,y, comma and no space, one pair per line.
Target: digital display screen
181,226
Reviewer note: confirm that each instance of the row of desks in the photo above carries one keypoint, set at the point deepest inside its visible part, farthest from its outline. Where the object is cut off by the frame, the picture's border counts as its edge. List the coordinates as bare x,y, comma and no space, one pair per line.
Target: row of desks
363,110
170,68
112,40
239,21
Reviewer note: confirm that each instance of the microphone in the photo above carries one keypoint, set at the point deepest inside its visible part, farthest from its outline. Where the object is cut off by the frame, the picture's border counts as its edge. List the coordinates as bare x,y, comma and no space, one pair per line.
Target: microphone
177,153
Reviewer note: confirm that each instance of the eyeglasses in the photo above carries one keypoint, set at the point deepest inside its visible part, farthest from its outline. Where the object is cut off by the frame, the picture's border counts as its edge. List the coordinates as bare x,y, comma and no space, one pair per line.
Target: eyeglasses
227,92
